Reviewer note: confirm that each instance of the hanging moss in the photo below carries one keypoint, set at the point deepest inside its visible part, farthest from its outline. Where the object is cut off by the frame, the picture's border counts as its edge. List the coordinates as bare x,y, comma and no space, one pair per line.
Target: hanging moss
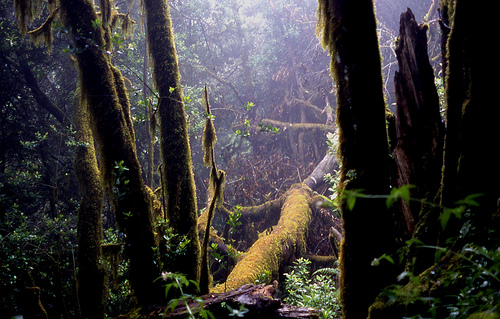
43,34
209,137
284,244
116,143
27,11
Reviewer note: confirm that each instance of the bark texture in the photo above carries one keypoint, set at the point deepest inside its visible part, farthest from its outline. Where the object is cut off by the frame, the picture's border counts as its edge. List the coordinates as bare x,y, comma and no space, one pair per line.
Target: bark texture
259,300
472,112
178,182
110,122
89,229
348,30
420,130
471,130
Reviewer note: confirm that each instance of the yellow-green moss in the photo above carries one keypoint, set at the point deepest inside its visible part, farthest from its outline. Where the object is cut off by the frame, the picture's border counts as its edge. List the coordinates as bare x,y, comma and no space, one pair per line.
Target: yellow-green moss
89,229
287,241
177,172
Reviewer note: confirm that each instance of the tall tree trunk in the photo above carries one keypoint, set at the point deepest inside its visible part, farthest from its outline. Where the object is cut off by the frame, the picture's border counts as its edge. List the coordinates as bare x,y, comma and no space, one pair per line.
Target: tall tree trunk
470,161
420,132
89,229
111,125
349,32
178,181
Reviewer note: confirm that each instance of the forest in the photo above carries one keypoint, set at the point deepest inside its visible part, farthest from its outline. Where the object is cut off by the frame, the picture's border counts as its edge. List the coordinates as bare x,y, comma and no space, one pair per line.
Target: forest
248,158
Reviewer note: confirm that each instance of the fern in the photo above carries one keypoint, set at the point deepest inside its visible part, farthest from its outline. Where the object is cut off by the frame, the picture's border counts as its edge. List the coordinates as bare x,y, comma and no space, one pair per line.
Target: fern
330,272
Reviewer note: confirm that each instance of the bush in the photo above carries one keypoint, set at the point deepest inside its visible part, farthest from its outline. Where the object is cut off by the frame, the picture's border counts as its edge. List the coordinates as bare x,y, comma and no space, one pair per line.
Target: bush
315,290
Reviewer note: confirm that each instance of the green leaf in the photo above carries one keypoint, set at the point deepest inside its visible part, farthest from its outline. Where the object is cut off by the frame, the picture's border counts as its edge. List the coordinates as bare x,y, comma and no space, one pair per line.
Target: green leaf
470,200
402,192
350,196
351,201
446,214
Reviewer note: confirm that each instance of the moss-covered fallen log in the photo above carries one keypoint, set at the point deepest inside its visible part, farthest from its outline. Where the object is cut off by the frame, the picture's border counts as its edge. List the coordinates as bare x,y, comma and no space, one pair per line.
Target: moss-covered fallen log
284,243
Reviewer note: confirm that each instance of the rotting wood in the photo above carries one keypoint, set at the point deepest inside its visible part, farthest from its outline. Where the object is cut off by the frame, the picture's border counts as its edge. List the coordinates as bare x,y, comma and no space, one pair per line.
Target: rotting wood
420,130
259,300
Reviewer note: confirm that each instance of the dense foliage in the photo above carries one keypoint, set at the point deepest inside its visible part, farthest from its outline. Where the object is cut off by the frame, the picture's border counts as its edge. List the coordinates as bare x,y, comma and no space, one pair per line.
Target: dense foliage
264,68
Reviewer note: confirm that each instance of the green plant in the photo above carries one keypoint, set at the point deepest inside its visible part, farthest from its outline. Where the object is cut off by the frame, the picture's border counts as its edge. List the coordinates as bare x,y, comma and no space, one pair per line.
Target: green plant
175,245
120,187
471,285
178,282
233,222
240,313
269,128
315,290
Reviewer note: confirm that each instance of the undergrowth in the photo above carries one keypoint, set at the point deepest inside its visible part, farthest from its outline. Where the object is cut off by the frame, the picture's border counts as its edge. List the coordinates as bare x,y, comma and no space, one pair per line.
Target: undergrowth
315,290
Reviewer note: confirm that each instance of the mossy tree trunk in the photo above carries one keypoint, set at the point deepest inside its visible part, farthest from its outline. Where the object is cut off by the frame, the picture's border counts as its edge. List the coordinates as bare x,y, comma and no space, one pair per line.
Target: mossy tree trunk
470,167
178,182
89,229
471,163
349,32
102,86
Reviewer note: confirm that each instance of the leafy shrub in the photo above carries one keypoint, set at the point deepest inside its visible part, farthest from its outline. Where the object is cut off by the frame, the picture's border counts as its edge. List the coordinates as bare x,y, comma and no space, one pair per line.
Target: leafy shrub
315,290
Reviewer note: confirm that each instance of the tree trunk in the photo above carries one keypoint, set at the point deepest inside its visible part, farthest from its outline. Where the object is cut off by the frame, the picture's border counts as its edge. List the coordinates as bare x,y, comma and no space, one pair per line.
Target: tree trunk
469,167
420,134
111,126
89,229
40,97
349,32
178,182
470,160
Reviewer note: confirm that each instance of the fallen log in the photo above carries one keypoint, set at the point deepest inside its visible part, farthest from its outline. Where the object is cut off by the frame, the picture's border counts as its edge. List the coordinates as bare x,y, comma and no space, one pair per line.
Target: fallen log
286,242
298,126
257,301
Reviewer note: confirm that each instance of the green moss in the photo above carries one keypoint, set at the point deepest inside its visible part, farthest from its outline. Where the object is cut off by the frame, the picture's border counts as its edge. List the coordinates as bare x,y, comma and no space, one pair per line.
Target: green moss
116,140
178,181
285,243
348,31
89,229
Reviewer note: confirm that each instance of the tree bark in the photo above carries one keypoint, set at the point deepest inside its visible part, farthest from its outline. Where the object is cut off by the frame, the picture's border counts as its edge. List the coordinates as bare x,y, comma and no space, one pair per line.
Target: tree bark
471,132
470,160
178,181
112,129
89,228
349,32
420,130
